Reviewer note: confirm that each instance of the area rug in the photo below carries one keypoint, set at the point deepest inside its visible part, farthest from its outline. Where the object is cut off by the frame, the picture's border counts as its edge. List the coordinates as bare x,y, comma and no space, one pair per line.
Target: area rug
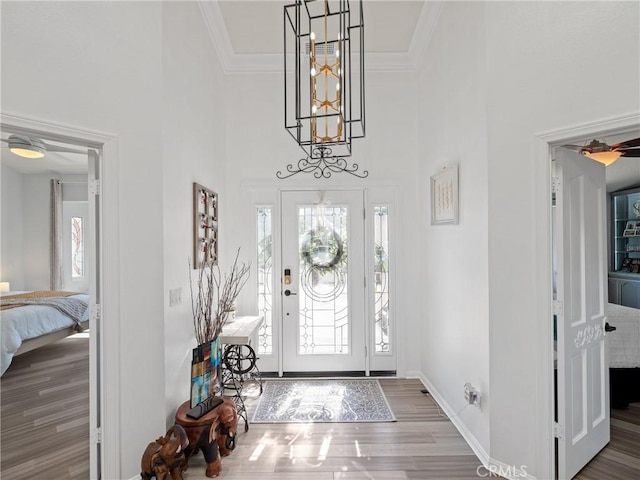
322,401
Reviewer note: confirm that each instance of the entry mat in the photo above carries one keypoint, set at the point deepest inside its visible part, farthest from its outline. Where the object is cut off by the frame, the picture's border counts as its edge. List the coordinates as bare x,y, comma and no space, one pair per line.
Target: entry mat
322,401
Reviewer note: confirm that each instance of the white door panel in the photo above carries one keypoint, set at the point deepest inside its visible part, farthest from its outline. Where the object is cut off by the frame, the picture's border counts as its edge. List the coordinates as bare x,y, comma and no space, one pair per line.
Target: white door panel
323,305
583,374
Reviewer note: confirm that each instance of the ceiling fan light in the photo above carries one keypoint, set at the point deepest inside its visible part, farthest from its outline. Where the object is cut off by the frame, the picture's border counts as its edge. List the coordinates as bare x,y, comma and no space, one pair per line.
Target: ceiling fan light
26,147
27,151
606,158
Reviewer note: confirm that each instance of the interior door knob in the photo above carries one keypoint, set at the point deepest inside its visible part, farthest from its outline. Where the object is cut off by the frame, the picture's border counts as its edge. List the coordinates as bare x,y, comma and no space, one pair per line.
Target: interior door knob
289,292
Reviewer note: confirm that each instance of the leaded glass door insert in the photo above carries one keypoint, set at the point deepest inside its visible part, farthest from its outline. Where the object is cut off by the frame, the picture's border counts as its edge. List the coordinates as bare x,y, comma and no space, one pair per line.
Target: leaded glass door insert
323,303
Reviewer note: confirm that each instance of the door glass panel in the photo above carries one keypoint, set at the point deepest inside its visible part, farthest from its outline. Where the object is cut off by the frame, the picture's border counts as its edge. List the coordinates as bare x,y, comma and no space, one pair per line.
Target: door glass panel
265,279
323,326
381,278
77,247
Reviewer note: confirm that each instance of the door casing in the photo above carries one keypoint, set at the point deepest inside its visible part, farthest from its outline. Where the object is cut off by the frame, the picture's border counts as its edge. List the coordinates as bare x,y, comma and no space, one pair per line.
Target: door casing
107,463
543,145
268,195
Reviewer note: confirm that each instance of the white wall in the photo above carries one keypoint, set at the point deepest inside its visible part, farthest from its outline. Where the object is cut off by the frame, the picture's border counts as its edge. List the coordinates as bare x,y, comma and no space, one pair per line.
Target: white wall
542,74
455,333
194,151
258,146
508,71
11,267
26,226
98,66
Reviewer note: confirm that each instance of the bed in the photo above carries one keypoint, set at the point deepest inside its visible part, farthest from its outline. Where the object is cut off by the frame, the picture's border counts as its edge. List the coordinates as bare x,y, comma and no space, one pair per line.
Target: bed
624,355
30,320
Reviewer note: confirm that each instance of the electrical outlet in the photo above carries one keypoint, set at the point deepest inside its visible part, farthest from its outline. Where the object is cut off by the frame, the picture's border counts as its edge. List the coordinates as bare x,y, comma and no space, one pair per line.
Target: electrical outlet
175,296
471,395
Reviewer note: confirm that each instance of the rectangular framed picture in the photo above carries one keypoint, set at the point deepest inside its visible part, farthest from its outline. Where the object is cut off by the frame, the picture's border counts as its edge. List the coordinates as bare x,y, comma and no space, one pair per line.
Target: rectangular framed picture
444,197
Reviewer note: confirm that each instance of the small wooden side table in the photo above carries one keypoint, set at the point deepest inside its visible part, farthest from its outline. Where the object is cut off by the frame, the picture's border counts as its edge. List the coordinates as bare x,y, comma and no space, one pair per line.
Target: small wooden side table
209,433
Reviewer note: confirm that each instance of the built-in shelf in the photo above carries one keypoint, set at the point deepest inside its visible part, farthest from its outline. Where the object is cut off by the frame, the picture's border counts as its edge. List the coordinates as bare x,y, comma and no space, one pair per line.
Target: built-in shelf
625,231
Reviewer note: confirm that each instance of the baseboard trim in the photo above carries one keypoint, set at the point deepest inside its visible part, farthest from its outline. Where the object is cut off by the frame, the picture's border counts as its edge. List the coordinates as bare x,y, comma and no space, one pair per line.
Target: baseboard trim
478,449
493,468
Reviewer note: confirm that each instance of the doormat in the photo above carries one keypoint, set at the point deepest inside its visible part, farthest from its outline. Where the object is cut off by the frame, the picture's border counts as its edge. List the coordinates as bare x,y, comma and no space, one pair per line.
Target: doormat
322,401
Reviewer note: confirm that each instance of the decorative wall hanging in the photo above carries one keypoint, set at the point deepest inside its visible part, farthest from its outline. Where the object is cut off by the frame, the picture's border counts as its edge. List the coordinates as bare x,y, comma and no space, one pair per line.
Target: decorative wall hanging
444,196
324,84
205,226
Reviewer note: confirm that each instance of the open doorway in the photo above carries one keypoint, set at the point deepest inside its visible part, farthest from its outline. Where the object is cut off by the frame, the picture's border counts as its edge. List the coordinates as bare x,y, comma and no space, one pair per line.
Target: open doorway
50,263
613,130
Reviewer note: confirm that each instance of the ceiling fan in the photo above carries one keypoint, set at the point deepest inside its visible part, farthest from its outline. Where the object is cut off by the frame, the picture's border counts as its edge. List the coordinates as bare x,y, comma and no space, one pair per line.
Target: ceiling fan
31,147
607,154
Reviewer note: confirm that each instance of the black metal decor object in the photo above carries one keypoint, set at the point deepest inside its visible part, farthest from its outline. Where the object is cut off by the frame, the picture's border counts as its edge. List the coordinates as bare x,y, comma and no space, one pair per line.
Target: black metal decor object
323,166
324,84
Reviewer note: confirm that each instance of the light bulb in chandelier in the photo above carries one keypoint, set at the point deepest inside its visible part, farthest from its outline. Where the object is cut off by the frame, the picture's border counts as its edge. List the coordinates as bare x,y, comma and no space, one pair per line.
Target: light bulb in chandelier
313,71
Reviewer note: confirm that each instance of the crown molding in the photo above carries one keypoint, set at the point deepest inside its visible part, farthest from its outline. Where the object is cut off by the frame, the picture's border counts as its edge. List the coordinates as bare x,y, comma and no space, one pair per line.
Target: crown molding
429,16
233,63
212,16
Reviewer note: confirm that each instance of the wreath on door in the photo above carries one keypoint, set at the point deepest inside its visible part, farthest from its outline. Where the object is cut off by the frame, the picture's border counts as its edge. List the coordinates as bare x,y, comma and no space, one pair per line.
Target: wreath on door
322,249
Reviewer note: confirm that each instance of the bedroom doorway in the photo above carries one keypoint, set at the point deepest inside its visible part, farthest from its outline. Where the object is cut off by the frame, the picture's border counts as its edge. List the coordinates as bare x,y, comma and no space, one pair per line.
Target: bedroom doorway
613,130
75,163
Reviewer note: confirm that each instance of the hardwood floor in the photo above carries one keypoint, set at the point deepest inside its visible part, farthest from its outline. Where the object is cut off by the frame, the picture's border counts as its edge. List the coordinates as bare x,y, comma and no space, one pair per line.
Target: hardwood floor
620,459
44,410
45,430
422,444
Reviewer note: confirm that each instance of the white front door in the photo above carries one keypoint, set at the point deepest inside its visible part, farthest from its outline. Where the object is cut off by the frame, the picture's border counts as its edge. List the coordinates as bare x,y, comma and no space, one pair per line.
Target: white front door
323,276
583,373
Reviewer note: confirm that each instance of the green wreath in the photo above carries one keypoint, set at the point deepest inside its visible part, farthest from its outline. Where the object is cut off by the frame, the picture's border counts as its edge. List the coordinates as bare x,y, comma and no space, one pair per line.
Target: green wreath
322,249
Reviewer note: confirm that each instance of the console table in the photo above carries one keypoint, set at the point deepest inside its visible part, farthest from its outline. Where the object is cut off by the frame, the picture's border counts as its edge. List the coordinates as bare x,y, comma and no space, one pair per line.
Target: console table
239,361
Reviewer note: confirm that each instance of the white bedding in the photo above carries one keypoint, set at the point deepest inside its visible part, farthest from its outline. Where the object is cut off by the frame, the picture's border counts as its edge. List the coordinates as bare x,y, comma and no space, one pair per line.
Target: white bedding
23,323
624,342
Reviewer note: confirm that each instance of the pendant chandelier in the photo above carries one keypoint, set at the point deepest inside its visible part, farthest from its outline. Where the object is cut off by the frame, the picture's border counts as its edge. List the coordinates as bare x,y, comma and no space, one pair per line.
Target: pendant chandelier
324,84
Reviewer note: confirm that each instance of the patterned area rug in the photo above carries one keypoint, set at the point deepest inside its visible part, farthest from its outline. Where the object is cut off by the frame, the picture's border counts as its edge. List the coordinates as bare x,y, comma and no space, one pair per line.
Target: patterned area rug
322,401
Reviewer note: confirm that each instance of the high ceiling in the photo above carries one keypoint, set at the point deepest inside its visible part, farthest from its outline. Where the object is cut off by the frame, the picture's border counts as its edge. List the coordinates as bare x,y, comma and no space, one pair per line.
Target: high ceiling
256,27
249,34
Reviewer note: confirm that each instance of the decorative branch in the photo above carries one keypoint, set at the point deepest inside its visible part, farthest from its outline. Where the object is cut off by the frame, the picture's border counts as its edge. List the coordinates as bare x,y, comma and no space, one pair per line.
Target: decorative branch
214,297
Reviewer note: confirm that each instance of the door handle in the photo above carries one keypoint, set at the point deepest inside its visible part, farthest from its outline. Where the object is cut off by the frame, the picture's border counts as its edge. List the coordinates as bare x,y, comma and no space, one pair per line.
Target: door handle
609,328
289,292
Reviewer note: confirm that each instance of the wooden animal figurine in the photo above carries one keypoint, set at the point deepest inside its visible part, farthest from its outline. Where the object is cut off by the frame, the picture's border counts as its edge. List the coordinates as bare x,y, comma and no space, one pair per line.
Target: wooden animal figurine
165,455
225,431
214,434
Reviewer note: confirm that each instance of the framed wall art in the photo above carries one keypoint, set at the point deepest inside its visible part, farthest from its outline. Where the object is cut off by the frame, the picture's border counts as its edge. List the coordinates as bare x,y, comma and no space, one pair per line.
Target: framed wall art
444,196
205,226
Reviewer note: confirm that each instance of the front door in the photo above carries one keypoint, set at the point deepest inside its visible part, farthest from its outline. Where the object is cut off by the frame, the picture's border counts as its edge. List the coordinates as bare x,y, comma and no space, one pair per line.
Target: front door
583,374
323,281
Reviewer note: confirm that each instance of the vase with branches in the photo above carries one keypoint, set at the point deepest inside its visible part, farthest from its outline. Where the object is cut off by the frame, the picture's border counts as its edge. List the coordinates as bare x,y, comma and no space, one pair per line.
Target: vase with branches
214,295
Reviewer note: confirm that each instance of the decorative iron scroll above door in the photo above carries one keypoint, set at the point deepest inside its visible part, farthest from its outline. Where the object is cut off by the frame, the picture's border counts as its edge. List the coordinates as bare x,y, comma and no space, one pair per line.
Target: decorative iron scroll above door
205,226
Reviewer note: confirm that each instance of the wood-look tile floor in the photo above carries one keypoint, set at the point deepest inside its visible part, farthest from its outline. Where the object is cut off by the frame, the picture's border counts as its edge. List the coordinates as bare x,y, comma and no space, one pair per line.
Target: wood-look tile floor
44,413
421,444
620,459
44,407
